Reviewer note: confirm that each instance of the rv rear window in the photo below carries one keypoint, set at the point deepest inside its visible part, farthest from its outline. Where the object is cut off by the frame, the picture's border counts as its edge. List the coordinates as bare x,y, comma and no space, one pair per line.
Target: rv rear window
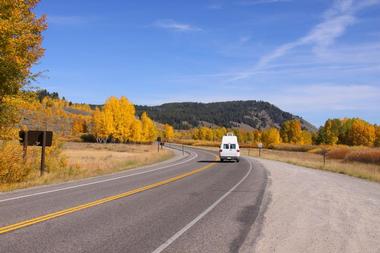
226,146
233,146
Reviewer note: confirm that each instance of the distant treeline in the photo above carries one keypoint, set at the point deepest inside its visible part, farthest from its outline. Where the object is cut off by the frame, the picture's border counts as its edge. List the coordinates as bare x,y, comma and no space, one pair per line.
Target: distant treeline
351,132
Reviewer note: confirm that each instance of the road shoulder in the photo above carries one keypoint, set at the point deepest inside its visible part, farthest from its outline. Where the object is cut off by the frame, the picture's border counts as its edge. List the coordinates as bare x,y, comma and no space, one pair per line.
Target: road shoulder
307,210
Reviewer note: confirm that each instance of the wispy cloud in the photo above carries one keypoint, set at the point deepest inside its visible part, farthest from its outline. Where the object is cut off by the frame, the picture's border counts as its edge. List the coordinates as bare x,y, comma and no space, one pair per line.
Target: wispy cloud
175,26
335,22
329,96
257,2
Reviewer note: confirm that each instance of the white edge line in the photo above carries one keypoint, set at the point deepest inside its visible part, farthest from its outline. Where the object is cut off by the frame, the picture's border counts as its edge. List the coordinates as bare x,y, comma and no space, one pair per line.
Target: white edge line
98,182
204,213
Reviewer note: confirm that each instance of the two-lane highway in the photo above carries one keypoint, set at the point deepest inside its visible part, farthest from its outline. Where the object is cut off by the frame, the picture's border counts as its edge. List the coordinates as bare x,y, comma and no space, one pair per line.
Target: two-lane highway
191,204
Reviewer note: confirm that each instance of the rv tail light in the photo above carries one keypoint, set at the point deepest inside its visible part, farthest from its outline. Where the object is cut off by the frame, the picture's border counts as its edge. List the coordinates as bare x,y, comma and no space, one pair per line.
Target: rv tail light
238,150
220,150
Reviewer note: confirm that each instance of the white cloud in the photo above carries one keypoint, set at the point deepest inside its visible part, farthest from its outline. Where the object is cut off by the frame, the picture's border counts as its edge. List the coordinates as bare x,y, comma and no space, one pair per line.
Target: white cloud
334,24
175,26
329,97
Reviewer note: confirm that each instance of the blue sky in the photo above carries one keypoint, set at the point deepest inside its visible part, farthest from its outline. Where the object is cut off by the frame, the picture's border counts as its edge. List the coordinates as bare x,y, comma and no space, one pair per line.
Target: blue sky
317,58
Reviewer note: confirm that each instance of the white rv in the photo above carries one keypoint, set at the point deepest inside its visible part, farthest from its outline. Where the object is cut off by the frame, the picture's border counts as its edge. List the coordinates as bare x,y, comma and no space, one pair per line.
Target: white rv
229,149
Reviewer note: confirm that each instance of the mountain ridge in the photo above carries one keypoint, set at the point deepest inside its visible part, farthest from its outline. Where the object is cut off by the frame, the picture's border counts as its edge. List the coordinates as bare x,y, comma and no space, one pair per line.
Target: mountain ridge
230,114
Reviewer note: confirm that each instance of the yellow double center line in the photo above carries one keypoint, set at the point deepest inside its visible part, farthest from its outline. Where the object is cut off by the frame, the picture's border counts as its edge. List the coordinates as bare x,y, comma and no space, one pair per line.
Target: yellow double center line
74,209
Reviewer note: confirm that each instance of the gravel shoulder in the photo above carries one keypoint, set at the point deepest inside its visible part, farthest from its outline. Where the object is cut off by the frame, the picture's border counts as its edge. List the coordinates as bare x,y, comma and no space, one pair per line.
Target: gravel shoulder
308,210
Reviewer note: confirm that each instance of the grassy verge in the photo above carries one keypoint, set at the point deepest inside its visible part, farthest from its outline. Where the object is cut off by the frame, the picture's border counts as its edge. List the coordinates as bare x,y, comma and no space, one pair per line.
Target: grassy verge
83,160
368,171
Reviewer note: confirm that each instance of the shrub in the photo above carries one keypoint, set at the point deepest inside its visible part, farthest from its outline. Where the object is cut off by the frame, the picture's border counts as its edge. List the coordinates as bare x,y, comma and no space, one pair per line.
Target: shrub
338,153
292,147
88,138
12,167
365,156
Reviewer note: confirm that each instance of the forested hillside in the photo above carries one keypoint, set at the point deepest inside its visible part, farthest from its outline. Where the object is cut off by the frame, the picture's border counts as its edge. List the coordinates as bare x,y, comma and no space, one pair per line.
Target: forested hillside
241,114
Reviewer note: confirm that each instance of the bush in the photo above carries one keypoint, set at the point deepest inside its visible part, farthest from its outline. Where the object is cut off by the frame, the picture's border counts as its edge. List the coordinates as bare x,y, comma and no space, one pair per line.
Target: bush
88,138
12,167
338,153
292,147
365,156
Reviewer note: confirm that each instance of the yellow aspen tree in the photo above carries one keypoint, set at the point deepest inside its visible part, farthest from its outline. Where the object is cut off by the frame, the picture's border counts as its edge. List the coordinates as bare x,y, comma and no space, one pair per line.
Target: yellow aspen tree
291,131
209,134
307,138
149,130
220,132
195,133
168,132
20,43
111,108
136,131
99,126
270,136
124,119
361,133
256,136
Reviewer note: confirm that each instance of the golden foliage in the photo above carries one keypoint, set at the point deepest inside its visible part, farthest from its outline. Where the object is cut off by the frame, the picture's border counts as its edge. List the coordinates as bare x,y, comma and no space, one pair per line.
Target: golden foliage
291,131
361,133
377,132
12,167
270,136
20,43
352,132
168,132
149,130
117,121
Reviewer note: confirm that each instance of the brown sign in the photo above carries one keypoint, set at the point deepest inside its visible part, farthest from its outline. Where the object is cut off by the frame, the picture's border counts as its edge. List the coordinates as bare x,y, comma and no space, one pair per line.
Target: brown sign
35,138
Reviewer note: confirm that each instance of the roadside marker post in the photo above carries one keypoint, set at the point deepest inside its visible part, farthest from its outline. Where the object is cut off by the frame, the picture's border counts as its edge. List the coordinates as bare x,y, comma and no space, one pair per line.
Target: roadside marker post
183,150
36,138
158,143
260,146
324,154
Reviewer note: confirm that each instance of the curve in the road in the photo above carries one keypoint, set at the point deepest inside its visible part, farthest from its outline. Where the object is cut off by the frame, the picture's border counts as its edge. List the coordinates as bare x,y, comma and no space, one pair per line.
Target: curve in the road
50,216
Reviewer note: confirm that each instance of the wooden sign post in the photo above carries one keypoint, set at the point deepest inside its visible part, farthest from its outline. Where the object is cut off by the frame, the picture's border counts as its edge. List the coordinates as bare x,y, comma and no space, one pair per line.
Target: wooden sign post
36,138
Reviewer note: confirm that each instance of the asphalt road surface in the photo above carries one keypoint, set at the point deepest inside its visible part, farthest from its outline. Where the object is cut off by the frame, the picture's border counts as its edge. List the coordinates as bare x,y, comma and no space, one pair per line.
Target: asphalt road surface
189,204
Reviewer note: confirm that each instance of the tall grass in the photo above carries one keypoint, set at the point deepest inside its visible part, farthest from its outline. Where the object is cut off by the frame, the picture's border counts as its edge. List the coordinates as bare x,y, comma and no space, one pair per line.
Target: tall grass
364,156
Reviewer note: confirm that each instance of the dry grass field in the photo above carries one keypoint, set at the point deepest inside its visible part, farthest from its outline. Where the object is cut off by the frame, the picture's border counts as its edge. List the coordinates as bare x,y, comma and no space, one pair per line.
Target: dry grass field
82,160
92,157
